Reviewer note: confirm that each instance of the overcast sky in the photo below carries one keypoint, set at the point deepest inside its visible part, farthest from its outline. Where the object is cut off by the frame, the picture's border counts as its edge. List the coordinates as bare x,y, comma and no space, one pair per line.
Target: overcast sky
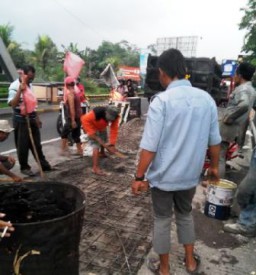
140,22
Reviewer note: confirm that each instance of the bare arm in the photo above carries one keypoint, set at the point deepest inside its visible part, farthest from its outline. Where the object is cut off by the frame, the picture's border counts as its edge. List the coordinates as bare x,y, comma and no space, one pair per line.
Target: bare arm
8,173
15,101
71,105
213,171
146,158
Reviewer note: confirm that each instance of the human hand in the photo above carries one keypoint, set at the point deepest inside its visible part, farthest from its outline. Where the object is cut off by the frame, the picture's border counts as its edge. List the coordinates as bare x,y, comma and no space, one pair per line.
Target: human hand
139,186
38,122
3,225
17,178
11,159
73,124
213,175
111,148
24,81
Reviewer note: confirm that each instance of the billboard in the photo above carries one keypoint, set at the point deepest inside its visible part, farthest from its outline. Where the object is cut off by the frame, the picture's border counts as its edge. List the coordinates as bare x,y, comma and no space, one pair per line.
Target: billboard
186,44
127,72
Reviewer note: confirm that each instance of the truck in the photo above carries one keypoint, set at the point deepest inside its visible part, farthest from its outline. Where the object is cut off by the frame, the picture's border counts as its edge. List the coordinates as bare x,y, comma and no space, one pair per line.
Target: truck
204,73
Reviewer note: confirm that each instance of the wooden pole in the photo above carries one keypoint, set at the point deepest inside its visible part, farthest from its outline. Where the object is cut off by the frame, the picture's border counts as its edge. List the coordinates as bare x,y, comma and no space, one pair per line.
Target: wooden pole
34,147
32,140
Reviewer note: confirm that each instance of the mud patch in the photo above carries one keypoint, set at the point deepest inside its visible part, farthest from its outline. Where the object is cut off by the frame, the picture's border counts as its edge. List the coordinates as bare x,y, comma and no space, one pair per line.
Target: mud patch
210,231
24,204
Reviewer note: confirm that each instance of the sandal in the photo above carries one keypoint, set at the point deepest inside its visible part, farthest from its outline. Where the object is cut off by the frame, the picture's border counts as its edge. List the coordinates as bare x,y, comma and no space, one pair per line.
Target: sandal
153,264
198,261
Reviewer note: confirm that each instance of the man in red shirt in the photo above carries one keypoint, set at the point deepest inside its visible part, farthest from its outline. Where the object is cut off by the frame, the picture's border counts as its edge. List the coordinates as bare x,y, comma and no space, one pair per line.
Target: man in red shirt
95,124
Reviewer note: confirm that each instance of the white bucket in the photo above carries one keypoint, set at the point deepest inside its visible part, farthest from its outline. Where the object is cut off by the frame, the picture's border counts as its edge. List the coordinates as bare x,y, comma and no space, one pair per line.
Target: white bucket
219,199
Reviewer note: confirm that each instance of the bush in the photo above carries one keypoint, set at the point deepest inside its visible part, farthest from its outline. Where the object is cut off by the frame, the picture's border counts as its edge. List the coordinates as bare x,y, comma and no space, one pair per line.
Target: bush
3,91
92,88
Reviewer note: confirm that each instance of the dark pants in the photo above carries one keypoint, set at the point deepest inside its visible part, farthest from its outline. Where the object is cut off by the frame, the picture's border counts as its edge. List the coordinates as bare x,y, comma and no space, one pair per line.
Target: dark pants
23,143
75,132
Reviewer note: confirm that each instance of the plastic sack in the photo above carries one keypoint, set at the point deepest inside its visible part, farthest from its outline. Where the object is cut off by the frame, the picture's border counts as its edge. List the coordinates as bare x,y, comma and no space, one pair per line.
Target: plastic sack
29,102
109,77
73,64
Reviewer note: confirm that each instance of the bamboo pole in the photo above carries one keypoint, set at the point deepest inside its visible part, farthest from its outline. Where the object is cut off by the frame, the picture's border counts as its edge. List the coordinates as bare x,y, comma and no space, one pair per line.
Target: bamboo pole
42,175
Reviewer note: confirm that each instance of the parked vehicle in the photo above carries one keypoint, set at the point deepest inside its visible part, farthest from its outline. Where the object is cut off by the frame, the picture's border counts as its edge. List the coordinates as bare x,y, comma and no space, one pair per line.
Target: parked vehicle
61,118
203,73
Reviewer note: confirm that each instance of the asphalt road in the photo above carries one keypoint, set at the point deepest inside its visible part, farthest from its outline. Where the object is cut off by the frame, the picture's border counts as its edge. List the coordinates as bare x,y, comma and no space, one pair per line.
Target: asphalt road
48,131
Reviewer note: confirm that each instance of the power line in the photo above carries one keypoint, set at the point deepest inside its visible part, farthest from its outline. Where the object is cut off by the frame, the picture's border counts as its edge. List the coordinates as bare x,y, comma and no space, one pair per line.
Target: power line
79,19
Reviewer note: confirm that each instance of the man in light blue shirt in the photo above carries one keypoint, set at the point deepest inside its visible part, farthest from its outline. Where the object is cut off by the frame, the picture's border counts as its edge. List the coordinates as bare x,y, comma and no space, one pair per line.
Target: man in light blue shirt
182,123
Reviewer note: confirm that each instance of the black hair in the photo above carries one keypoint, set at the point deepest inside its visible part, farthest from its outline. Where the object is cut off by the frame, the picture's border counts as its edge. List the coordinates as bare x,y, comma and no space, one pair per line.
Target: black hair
28,68
245,70
172,62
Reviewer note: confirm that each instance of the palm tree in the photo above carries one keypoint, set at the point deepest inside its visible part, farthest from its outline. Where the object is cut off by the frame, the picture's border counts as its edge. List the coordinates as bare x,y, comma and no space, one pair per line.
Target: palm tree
18,55
6,34
45,52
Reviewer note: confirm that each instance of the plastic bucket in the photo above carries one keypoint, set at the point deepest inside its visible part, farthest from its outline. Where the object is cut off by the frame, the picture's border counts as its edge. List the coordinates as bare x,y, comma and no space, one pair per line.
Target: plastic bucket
48,219
219,199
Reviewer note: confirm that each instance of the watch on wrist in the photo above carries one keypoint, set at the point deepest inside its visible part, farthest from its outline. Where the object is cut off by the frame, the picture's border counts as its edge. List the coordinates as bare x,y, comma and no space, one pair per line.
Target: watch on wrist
139,178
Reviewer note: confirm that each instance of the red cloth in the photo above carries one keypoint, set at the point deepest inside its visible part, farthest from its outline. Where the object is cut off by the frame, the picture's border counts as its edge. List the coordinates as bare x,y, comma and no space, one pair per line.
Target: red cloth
73,64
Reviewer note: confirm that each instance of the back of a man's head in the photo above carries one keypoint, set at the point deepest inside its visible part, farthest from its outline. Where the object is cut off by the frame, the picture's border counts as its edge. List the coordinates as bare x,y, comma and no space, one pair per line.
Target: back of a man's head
245,70
172,62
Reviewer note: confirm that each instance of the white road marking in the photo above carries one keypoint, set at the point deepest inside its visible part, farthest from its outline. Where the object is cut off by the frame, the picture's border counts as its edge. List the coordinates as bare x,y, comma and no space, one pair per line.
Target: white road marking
44,142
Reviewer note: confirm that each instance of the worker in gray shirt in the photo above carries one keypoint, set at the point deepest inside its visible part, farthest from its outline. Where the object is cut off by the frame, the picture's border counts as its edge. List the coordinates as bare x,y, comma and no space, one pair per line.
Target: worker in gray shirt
236,116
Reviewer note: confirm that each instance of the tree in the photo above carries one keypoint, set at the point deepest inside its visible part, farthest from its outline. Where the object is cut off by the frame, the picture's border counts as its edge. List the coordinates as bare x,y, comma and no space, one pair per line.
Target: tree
45,53
17,53
122,53
6,34
248,23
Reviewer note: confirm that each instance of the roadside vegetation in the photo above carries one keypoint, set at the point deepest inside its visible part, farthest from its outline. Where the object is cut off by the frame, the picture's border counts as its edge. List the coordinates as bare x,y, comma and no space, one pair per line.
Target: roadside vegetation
48,59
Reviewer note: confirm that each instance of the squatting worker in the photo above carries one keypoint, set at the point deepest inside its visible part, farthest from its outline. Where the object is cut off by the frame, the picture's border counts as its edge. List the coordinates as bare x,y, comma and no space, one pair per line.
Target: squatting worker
182,122
19,89
95,125
7,162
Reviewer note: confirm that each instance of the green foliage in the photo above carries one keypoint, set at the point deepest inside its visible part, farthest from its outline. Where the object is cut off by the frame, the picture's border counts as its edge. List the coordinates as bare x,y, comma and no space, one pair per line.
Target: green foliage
3,91
116,54
48,60
92,88
45,53
248,23
6,34
15,50
3,105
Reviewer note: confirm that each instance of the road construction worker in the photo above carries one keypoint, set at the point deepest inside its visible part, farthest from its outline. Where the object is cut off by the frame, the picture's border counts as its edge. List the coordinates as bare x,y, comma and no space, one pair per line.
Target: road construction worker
95,125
